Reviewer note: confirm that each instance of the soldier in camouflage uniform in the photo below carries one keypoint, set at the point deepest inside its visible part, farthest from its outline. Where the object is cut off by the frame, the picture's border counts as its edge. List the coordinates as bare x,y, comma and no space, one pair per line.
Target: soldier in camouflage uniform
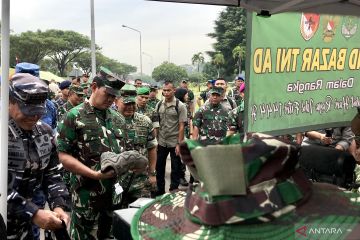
139,134
211,120
64,87
203,96
227,102
32,162
87,131
236,121
142,100
152,97
234,93
76,96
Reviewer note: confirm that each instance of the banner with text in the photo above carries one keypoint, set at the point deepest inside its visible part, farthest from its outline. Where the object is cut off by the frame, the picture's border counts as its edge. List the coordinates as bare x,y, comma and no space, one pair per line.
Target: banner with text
304,72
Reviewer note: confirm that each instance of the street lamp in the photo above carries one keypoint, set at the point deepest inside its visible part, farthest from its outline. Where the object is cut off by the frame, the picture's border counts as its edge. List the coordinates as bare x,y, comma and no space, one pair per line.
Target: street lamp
141,72
151,59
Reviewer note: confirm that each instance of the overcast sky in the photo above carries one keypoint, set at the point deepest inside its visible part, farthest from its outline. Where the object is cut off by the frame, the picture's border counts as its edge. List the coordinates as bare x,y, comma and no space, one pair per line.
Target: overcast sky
183,25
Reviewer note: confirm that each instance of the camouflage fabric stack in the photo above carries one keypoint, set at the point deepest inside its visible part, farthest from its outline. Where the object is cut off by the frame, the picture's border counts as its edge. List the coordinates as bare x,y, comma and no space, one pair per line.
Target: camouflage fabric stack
253,190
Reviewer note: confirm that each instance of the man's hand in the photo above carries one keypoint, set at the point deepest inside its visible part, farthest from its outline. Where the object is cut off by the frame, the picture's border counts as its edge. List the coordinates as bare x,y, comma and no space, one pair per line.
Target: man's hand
357,156
152,180
47,219
177,150
106,175
339,147
62,215
325,140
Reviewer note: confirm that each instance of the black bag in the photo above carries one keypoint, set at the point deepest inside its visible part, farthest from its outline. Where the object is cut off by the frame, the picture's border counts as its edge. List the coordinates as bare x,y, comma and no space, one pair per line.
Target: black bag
329,165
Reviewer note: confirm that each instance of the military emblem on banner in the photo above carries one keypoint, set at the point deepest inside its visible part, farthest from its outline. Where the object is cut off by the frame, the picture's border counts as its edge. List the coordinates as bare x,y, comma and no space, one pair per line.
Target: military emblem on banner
330,24
349,26
309,25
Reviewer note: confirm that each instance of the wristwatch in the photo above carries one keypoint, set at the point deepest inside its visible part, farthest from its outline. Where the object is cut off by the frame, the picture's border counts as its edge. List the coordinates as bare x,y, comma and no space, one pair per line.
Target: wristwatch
152,173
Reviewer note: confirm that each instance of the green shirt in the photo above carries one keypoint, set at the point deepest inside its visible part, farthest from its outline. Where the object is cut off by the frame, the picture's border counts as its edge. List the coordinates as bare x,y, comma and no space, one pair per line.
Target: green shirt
212,122
150,113
85,133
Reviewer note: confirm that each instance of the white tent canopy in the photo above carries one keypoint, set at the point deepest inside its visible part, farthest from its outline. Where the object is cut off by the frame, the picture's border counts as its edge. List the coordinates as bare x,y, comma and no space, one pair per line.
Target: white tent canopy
338,7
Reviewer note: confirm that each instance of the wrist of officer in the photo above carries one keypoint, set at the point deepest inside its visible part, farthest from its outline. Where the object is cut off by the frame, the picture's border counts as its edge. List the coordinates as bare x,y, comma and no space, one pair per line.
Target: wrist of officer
152,173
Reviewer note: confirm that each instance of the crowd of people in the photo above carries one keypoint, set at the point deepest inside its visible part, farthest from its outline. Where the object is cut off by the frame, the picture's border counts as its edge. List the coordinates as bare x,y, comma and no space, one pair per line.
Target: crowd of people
59,135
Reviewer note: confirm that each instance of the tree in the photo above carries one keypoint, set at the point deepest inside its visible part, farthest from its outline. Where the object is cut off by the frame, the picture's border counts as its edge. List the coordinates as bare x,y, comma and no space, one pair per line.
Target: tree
84,61
121,69
48,65
67,46
229,32
209,71
196,78
218,61
169,72
29,47
198,59
239,54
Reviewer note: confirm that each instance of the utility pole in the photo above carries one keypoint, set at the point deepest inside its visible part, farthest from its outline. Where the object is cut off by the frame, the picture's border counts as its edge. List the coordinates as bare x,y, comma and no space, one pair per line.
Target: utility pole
169,51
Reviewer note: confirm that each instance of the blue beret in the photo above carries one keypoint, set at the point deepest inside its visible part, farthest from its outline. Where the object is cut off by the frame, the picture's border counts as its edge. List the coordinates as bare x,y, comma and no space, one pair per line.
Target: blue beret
241,77
64,84
25,67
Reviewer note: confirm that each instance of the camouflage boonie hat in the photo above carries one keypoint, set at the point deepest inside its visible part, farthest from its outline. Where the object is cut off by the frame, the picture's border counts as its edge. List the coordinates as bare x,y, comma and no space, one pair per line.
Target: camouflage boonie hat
217,90
128,93
30,93
253,190
77,89
110,81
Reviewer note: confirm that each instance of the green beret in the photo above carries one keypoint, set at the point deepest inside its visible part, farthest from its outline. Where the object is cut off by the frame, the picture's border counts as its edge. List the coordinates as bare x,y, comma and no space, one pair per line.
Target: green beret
143,91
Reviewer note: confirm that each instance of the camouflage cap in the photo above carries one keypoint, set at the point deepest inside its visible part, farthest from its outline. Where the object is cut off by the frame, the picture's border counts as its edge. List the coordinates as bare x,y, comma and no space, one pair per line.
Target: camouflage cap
77,89
30,93
110,81
277,196
128,93
154,87
143,91
217,90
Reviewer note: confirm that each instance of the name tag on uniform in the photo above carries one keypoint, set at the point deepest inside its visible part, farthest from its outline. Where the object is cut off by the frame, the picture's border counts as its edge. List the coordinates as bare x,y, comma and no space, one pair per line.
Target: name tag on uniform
43,145
118,189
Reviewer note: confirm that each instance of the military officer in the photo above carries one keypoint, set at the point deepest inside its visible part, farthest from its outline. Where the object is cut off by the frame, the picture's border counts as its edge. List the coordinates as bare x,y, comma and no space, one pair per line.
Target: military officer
153,100
142,100
87,131
227,102
210,123
234,93
76,96
139,134
64,87
32,163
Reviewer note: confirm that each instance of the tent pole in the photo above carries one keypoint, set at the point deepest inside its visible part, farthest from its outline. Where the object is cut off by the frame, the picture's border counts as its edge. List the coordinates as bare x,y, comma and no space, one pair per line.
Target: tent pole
4,114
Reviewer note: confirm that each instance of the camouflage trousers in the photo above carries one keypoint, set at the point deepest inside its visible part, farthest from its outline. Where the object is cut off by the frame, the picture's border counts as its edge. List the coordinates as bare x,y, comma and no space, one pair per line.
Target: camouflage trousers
138,187
91,216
